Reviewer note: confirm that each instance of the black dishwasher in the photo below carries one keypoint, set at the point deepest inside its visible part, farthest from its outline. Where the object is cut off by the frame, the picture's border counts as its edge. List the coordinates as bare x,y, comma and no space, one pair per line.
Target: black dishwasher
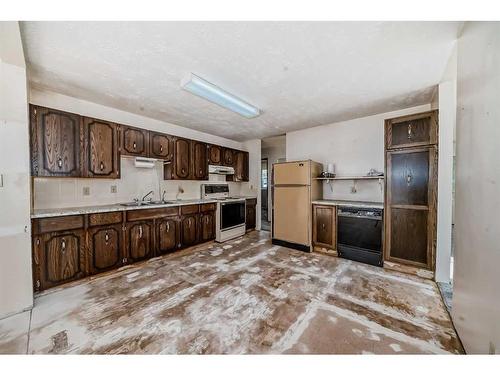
359,234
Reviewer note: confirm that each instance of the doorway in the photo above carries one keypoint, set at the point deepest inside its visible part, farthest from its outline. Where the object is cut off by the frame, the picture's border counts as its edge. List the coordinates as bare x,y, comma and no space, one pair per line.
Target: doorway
264,194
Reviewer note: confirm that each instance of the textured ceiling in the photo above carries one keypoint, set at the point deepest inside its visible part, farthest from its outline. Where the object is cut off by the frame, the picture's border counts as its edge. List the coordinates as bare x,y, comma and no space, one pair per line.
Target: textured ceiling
301,74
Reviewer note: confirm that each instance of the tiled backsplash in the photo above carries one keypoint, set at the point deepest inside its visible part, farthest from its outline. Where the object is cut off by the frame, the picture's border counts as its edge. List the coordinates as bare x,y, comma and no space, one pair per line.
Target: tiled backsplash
134,183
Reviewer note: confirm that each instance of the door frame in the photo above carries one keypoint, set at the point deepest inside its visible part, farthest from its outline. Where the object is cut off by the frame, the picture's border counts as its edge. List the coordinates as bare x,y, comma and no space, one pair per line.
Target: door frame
267,187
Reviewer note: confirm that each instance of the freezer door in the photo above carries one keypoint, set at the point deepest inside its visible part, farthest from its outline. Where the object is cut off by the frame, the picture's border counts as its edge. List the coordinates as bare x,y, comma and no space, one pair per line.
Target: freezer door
296,173
291,217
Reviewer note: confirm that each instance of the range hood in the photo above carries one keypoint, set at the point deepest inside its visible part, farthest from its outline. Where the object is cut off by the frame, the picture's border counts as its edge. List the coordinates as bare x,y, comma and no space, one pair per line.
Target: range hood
220,169
140,162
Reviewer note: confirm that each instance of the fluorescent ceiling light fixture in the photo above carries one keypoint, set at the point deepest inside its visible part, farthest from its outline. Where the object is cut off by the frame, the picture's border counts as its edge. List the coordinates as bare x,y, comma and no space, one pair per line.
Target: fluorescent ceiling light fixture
209,91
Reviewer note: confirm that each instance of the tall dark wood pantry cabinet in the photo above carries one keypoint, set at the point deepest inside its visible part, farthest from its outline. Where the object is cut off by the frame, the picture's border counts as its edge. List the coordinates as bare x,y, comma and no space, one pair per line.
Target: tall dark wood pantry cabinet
411,189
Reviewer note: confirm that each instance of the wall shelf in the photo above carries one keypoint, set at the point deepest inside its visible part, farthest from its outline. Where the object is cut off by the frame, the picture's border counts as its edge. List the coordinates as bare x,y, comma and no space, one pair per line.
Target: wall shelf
329,180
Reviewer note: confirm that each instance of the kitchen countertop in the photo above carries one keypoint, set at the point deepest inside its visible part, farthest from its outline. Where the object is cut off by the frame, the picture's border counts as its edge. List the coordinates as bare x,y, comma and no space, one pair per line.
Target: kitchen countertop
331,202
67,211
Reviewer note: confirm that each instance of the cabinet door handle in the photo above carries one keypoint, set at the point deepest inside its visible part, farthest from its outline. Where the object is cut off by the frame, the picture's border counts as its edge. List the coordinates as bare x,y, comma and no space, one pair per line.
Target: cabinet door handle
410,134
161,148
59,163
106,237
323,226
168,227
189,223
101,166
140,231
134,145
63,245
408,179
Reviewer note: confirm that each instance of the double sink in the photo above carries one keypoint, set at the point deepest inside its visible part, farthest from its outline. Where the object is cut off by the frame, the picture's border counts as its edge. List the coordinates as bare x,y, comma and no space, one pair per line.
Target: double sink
147,203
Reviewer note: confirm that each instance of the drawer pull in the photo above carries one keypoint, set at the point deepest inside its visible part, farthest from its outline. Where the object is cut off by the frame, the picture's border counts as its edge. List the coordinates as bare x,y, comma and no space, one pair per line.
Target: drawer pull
134,145
408,179
101,166
410,133
59,163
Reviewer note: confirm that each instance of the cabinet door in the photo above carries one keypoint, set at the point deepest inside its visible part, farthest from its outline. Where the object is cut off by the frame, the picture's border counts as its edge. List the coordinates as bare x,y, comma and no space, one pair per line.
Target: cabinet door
227,157
62,258
167,235
135,142
250,216
161,146
214,155
324,227
413,130
207,226
410,213
105,245
246,167
189,230
140,241
200,161
100,149
55,143
182,158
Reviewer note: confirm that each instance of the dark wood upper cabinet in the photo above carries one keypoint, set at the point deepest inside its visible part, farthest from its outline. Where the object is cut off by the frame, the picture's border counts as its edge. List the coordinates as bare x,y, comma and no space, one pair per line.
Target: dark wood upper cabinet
135,142
324,227
227,157
61,257
180,167
207,226
214,155
411,131
168,236
100,149
105,248
55,142
189,230
200,161
140,240
161,146
241,167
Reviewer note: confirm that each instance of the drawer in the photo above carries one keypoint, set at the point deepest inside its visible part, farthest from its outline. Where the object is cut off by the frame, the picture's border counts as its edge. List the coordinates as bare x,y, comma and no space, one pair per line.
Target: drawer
191,209
207,207
59,223
105,218
251,201
152,213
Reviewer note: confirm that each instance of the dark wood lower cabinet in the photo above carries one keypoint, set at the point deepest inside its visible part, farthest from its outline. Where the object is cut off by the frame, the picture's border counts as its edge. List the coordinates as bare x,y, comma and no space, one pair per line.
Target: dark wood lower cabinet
251,214
105,248
189,230
140,240
60,257
207,226
168,236
68,248
324,227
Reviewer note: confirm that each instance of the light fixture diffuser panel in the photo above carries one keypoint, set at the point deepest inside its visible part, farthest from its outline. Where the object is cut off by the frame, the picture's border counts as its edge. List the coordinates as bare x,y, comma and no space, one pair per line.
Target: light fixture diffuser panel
202,88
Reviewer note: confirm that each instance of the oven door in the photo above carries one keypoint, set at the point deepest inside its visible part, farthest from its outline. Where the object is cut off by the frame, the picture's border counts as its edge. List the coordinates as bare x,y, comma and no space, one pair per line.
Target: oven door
232,214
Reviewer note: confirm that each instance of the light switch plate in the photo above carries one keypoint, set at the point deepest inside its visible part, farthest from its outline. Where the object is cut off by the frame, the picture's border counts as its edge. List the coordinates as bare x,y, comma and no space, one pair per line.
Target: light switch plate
86,190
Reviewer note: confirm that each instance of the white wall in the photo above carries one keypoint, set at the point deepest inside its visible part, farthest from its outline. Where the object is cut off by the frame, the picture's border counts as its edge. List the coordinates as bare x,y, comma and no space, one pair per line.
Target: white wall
354,146
447,121
16,290
134,183
476,290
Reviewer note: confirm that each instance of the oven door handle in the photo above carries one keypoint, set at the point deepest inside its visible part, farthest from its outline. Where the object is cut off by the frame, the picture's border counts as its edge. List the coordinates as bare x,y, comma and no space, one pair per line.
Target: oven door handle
359,217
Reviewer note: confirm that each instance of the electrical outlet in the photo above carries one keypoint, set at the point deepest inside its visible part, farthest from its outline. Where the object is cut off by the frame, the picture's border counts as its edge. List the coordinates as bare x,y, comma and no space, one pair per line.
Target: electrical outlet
113,189
86,190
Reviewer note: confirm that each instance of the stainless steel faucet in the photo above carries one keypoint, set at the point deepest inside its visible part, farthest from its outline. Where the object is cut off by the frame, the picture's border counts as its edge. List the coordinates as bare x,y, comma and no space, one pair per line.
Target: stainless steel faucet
148,194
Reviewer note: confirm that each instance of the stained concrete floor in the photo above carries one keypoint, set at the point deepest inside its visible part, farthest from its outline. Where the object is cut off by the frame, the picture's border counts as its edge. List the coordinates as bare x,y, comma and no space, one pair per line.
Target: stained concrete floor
245,296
